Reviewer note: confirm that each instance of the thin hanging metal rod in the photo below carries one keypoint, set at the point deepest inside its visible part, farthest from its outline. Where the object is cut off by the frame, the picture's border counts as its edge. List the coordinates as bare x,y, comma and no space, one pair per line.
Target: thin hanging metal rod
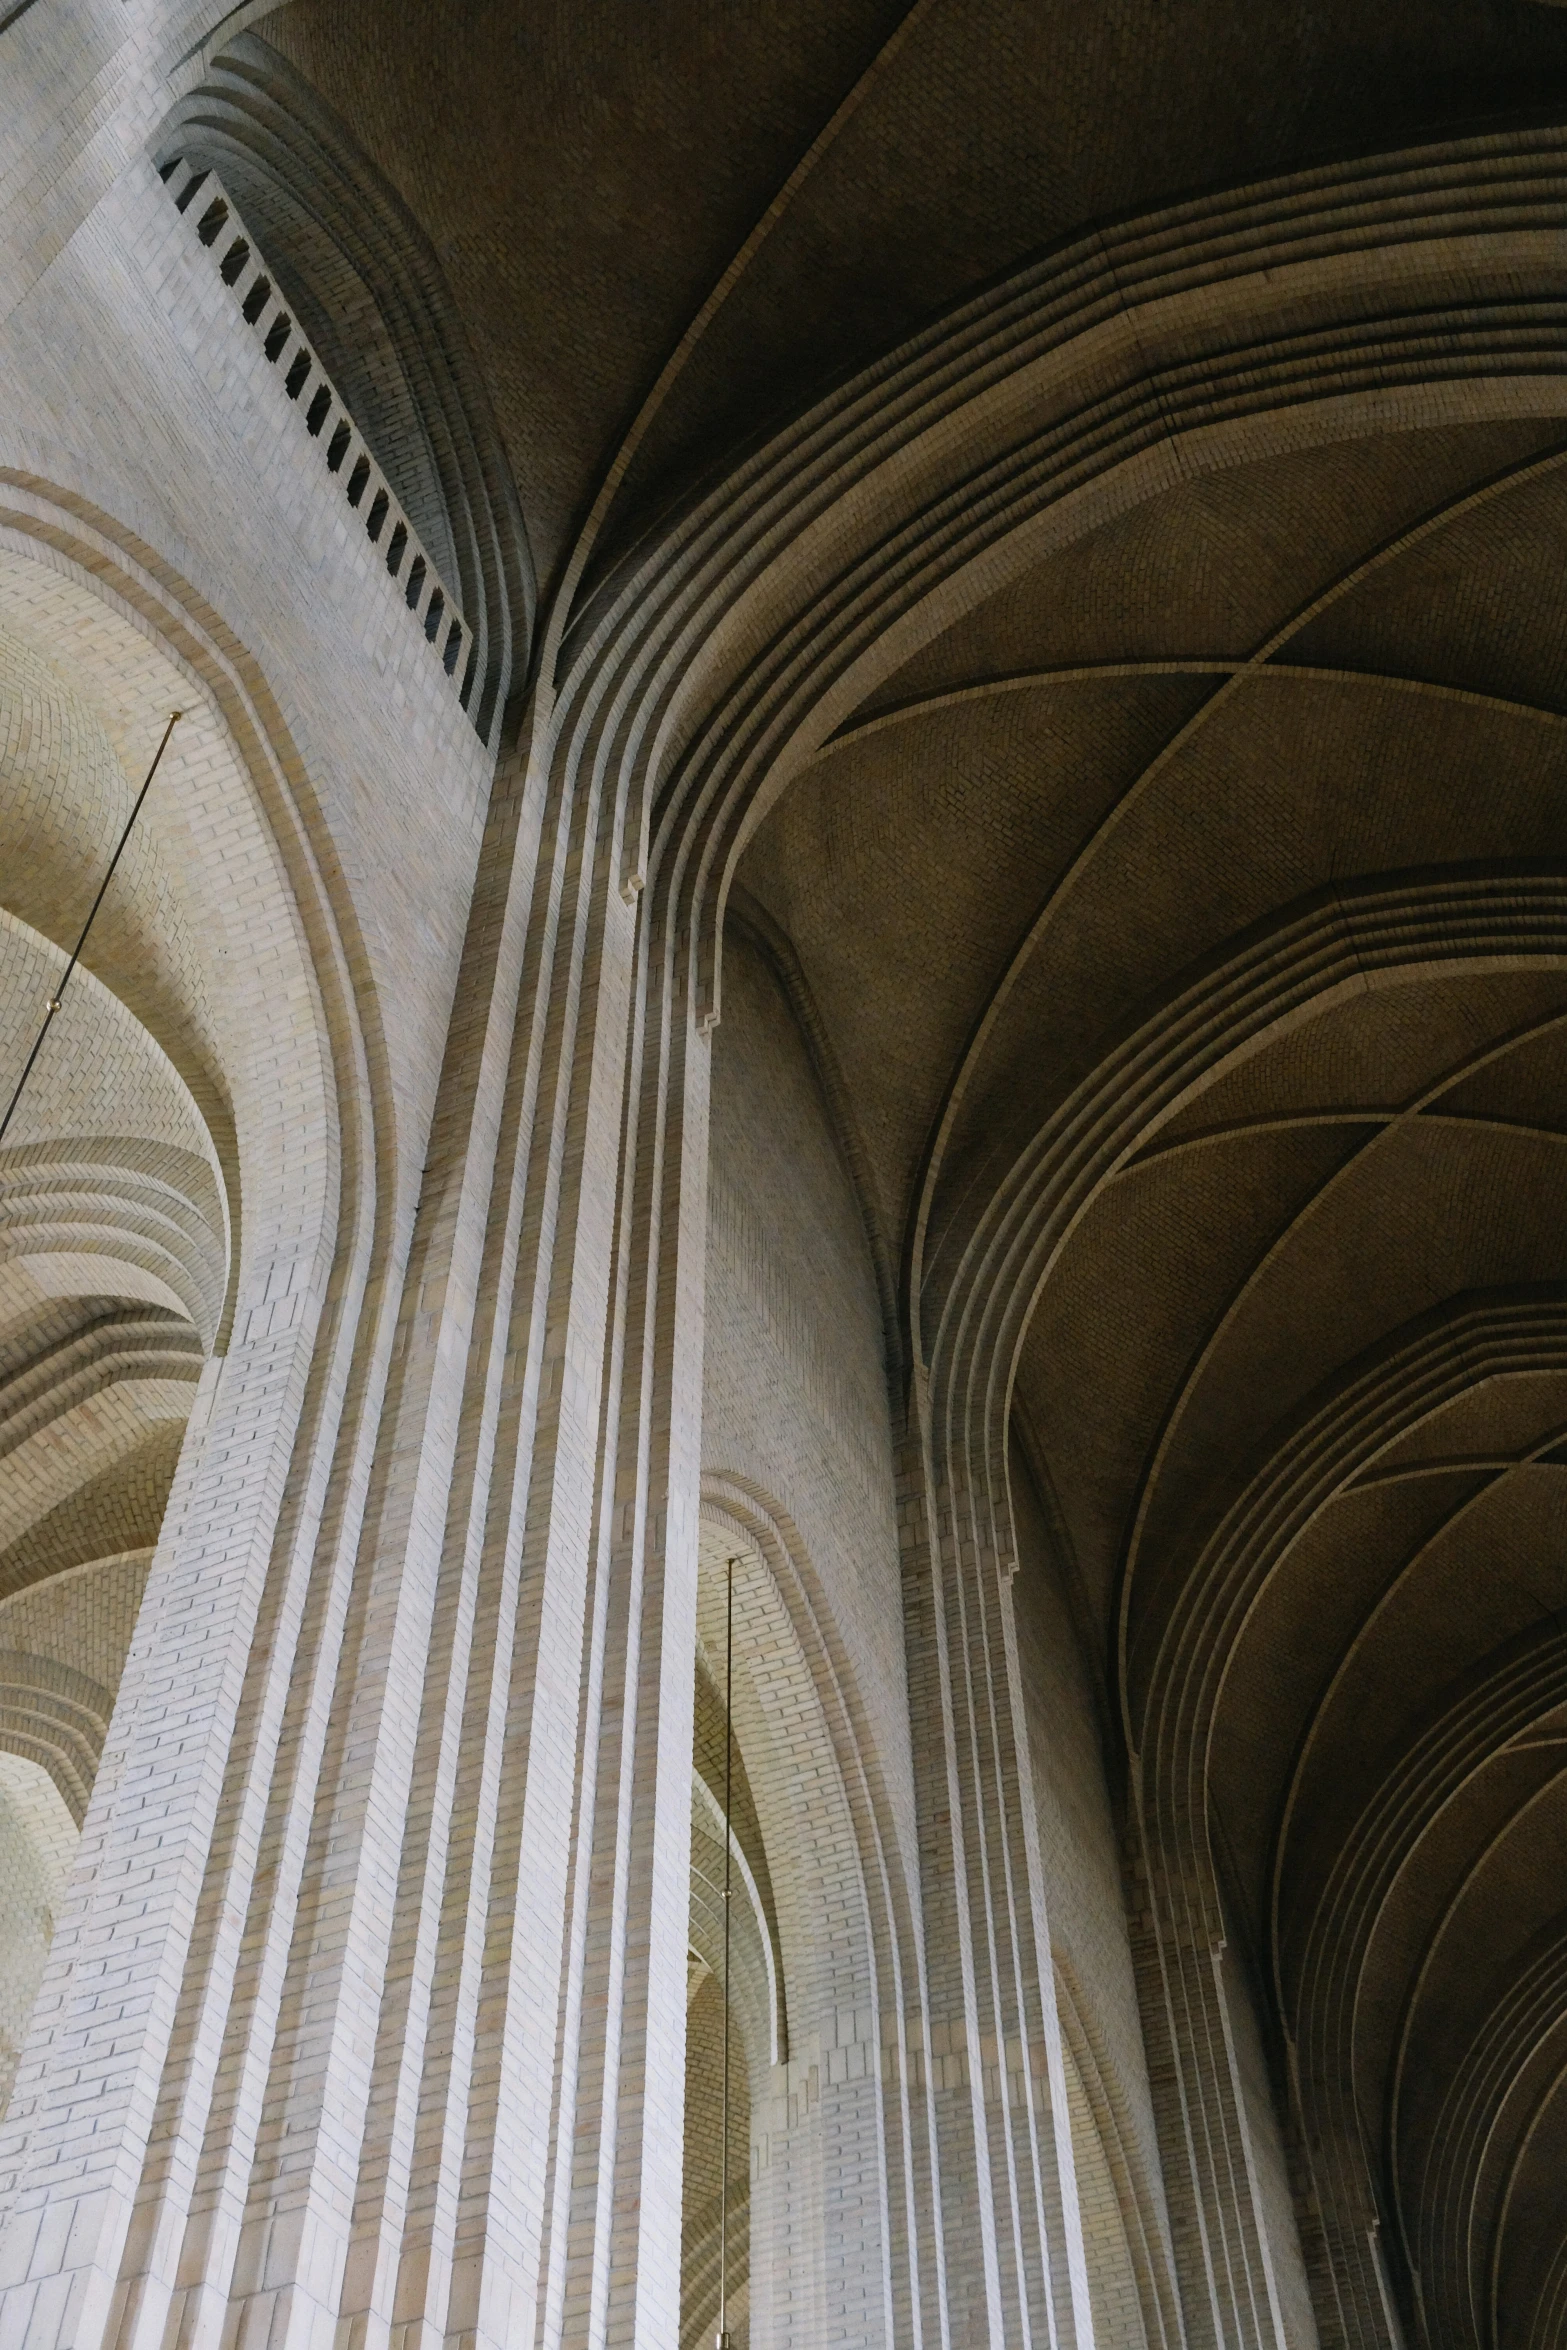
58,997
729,1783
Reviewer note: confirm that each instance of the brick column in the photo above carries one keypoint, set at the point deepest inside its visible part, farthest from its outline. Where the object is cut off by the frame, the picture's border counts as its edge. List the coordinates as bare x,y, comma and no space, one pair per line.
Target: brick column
617,2161
79,2127
1229,2294
1015,2270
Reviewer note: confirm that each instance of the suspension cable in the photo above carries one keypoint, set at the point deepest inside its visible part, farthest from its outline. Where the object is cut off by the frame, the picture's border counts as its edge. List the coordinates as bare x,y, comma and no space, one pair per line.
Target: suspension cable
729,1776
58,997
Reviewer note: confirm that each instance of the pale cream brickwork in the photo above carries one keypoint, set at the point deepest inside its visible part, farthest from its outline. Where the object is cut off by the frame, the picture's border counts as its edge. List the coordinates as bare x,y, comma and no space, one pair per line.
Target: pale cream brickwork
37,1840
83,1617
1112,2273
63,1643
928,1042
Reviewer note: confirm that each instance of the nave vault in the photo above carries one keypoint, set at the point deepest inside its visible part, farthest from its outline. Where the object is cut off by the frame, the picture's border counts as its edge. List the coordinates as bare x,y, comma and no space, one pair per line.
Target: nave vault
783,1287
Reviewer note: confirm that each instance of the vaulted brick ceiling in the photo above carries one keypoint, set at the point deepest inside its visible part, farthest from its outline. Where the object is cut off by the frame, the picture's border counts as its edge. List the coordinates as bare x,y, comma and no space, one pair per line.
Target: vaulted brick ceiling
1291,734
588,175
1314,709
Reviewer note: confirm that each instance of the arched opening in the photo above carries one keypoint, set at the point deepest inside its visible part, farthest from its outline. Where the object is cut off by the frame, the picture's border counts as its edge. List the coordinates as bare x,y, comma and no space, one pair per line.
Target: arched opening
114,1264
37,1840
808,2208
145,1152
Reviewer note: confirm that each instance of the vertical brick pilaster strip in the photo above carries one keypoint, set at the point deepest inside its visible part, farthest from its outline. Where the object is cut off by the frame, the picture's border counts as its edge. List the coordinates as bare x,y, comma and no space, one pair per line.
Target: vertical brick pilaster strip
1015,2270
1223,2258
82,2112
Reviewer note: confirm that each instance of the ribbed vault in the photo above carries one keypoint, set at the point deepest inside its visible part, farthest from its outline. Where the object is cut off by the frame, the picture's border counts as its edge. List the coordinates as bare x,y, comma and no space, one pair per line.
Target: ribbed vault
1221,1098
667,231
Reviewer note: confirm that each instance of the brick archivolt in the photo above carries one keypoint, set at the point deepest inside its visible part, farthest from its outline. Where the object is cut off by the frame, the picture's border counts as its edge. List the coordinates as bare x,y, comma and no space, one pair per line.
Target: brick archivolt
83,1616
56,1717
101,1077
1512,2068
78,1404
1359,936
118,1509
110,1184
895,520
834,2064
222,965
756,1978
719,1777
1480,1729
109,1217
177,971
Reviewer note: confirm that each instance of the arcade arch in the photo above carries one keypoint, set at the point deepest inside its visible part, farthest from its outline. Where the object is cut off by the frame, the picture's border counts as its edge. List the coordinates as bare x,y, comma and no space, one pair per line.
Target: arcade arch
171,1153
814,2059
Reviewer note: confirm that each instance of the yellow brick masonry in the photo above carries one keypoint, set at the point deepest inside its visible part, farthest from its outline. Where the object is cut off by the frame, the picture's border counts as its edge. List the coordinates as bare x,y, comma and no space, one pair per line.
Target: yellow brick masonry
301,865
534,1298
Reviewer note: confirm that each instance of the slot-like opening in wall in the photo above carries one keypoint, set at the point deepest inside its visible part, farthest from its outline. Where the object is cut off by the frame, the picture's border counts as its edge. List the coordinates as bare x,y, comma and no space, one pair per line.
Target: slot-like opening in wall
187,195
305,382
